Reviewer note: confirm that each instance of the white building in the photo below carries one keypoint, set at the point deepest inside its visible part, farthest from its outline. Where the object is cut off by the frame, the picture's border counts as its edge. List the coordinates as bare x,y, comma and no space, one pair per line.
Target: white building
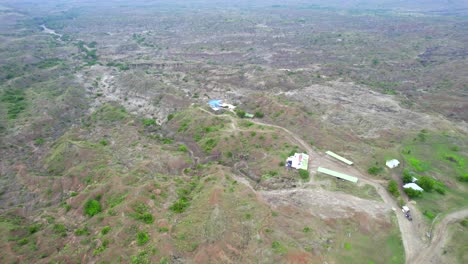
298,161
413,186
392,163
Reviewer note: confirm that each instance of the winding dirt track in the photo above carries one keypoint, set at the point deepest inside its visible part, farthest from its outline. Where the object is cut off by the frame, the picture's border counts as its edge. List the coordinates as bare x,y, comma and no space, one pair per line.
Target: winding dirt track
439,238
416,250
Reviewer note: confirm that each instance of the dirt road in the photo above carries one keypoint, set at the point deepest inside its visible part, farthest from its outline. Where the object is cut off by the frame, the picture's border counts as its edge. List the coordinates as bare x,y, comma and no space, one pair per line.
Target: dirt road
431,253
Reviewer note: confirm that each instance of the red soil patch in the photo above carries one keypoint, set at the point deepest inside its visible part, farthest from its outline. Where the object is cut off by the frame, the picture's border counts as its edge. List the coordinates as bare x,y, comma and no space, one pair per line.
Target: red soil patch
215,196
298,257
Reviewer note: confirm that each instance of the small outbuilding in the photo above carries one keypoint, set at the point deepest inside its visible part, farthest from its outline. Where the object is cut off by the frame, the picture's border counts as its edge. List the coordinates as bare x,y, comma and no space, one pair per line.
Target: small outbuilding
215,104
392,163
413,186
298,161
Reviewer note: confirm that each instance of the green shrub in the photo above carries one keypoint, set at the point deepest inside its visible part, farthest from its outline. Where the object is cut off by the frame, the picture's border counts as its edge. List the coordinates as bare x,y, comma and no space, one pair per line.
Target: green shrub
429,214
180,205
39,141
142,238
23,241
163,229
278,248
33,228
259,114
307,229
141,258
149,122
240,113
183,148
374,170
407,176
60,229
304,174
281,164
412,193
393,188
426,183
347,245
170,117
82,231
105,230
463,177
92,207
142,213
440,190
104,142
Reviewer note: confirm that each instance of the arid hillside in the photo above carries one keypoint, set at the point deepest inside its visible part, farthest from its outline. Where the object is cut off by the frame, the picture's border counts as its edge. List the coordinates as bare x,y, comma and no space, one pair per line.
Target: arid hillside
111,153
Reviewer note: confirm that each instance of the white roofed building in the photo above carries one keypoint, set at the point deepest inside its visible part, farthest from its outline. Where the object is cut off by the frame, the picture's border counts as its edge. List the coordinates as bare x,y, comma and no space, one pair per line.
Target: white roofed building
413,186
392,163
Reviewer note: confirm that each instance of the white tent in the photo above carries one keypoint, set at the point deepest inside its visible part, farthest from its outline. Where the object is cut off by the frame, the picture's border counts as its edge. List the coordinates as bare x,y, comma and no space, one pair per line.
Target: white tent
413,186
392,163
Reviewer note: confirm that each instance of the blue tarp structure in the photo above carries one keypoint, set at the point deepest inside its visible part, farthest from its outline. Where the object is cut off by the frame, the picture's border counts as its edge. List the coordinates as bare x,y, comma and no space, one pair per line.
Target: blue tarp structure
215,104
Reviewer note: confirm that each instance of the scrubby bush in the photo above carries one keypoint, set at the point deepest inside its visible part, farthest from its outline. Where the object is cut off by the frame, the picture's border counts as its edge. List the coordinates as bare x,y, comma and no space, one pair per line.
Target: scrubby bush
374,170
92,207
407,176
149,122
105,230
463,177
142,238
183,148
240,113
259,114
304,174
393,188
426,183
180,205
412,193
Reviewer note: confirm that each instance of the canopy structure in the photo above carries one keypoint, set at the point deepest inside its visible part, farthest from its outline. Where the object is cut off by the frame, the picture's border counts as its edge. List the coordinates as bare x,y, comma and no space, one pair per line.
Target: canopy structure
338,174
338,157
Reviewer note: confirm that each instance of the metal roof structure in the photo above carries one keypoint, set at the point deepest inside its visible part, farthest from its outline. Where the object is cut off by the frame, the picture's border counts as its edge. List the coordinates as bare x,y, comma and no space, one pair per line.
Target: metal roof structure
338,174
413,186
338,157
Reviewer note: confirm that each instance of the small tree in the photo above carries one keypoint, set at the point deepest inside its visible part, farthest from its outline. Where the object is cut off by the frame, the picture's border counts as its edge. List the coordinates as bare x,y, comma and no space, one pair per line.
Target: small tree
304,174
374,170
407,176
240,113
393,188
412,193
426,183
92,207
259,114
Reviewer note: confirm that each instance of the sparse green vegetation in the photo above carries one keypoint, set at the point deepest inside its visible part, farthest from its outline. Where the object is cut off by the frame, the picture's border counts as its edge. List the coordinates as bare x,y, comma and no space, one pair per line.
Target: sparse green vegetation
278,248
15,100
142,213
